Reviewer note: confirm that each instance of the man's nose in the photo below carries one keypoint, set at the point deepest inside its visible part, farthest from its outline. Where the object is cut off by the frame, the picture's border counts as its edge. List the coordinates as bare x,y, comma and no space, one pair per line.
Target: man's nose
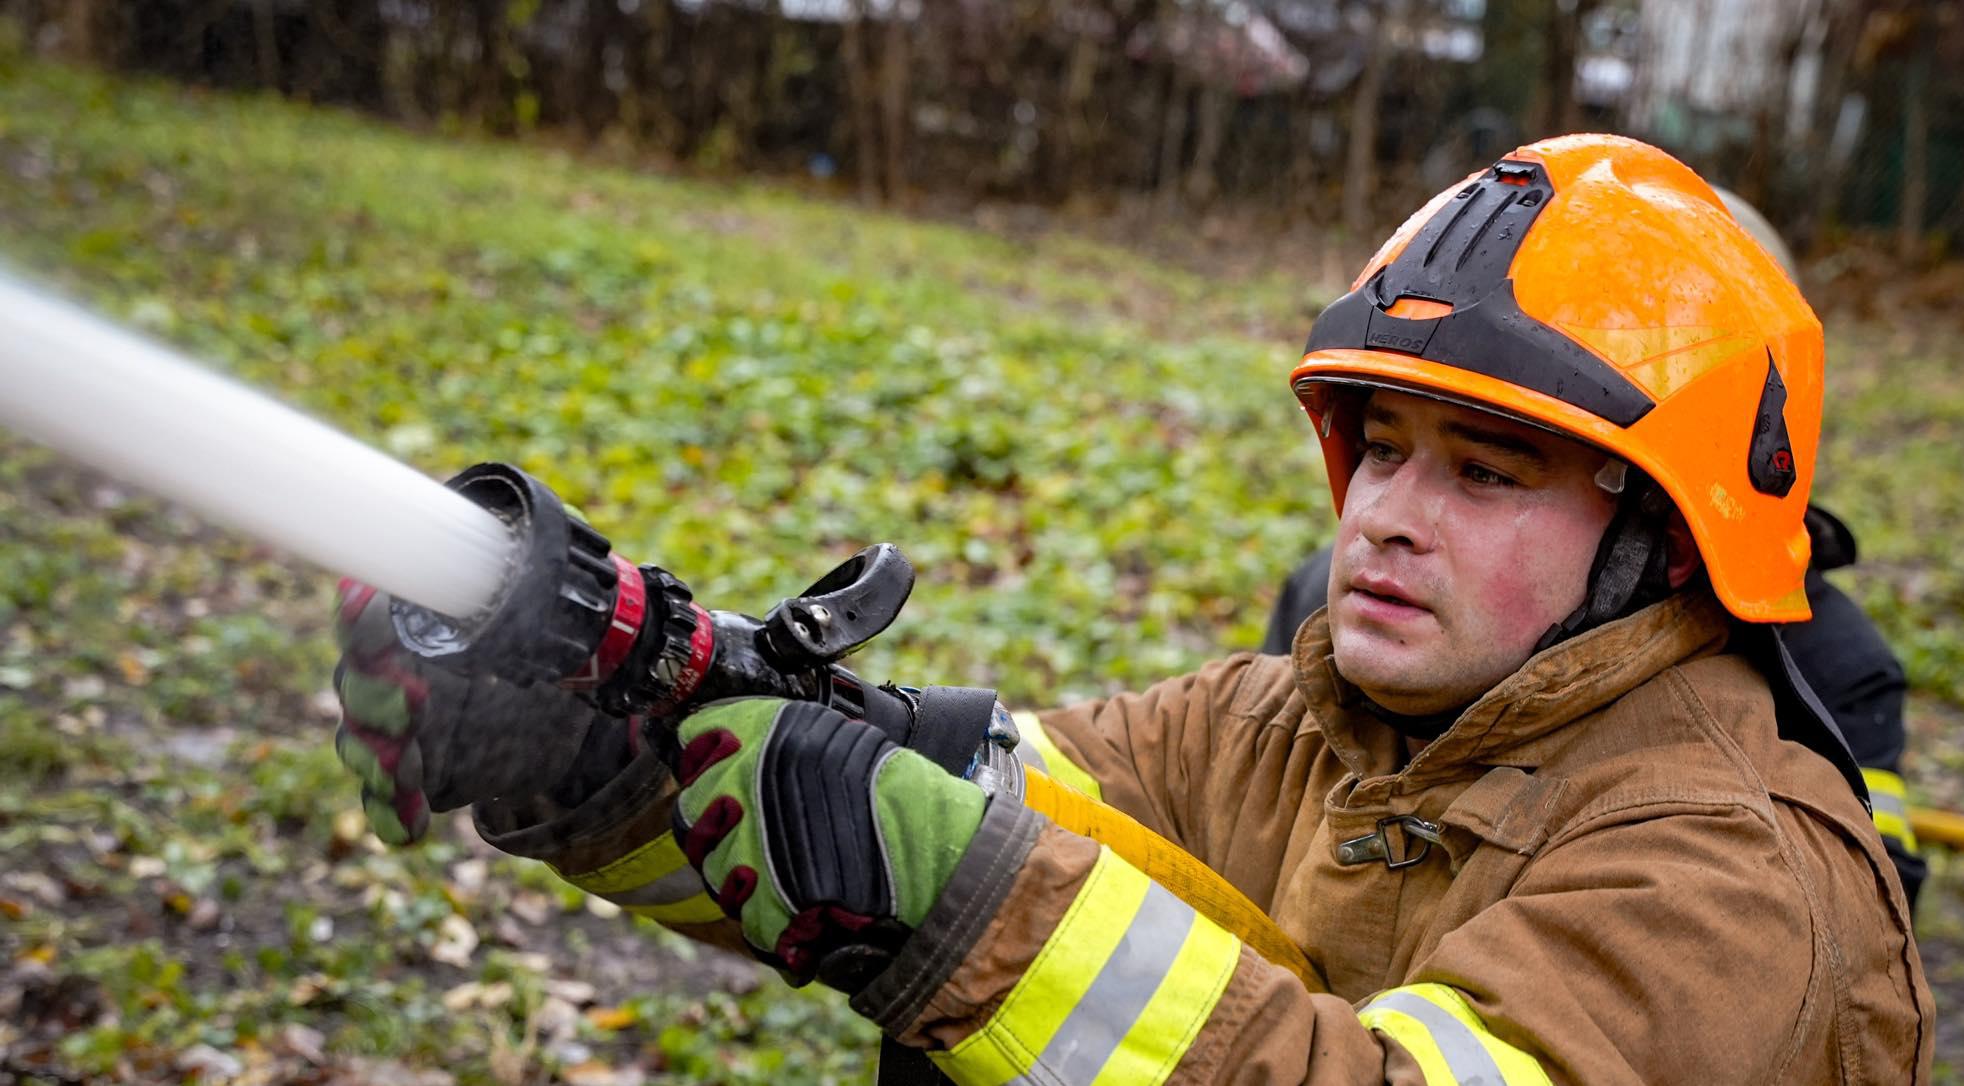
1400,511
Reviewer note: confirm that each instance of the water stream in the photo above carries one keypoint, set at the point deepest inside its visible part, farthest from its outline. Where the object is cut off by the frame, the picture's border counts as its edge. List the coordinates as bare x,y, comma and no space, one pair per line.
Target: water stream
146,414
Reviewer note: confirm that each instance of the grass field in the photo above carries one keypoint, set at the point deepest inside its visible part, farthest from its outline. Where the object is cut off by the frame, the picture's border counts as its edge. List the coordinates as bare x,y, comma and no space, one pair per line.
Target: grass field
1090,455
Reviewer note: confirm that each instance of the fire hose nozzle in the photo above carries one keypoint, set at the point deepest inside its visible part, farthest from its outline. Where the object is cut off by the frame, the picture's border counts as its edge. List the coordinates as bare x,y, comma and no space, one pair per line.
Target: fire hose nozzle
631,638
558,595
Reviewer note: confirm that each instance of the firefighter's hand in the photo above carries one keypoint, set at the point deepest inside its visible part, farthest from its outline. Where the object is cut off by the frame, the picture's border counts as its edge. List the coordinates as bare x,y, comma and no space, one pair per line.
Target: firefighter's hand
828,842
424,739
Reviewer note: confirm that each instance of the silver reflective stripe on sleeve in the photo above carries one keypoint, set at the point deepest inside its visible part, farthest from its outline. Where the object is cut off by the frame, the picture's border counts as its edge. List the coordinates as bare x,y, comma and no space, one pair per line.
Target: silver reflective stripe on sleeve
1463,1052
1450,1042
1092,1032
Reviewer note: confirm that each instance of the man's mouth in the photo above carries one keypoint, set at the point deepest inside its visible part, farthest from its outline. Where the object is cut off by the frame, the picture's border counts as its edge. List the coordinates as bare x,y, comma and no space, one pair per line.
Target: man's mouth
1385,590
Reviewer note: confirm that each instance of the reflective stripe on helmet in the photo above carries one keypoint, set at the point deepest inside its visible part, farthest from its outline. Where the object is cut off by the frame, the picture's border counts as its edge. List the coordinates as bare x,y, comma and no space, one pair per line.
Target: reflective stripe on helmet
1116,995
1452,1046
1889,798
654,881
1041,754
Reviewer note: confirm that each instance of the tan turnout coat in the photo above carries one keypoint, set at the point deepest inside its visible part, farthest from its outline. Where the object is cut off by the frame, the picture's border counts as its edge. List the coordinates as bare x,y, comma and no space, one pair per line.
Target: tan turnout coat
1639,881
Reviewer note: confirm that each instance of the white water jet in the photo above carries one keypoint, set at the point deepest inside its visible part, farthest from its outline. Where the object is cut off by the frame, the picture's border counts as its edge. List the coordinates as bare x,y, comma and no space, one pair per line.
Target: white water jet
148,415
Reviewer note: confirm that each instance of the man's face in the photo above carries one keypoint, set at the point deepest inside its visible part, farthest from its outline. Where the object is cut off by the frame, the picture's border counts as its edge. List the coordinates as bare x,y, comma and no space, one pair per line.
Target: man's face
1464,537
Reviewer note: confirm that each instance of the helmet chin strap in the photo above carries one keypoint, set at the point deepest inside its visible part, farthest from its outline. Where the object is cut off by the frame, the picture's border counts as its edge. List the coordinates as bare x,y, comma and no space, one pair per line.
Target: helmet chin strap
1631,570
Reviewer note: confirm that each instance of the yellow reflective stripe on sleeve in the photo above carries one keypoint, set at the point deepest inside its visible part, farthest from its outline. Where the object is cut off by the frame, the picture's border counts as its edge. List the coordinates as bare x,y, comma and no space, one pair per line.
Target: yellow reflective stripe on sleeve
700,909
1041,753
1889,798
1452,1046
659,857
654,881
1115,995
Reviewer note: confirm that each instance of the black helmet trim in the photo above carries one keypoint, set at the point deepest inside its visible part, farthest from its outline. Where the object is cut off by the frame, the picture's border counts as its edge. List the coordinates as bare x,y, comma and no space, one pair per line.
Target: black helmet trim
1460,258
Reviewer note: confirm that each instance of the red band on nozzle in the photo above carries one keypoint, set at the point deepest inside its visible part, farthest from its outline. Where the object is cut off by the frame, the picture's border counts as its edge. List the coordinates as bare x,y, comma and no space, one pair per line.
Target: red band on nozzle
623,626
702,645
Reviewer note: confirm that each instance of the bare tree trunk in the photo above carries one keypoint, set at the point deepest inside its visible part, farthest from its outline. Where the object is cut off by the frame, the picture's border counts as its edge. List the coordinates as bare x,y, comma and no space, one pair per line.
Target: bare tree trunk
1916,154
1202,181
649,102
1172,135
1770,120
191,36
399,63
757,91
1127,156
738,89
1563,44
1304,179
1360,161
1080,133
894,67
1840,37
598,105
342,35
266,44
859,91
84,31
488,100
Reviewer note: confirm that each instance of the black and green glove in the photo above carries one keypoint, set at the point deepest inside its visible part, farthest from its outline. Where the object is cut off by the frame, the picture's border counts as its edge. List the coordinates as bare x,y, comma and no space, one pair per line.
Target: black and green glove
822,837
423,739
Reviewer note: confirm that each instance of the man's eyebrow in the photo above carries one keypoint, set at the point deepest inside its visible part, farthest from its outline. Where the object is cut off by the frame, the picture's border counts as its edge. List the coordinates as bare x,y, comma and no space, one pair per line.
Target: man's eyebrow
1380,414
1501,440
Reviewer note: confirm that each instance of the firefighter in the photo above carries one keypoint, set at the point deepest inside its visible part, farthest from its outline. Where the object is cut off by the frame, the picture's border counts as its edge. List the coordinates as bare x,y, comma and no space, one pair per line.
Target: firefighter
1539,793
1841,655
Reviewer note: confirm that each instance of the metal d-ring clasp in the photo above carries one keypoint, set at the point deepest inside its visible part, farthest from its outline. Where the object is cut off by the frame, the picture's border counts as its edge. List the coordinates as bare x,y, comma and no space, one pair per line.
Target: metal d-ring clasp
1376,845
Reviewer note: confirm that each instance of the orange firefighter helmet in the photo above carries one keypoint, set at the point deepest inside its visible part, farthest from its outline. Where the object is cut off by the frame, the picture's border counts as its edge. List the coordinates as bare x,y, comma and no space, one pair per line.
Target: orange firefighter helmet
1595,286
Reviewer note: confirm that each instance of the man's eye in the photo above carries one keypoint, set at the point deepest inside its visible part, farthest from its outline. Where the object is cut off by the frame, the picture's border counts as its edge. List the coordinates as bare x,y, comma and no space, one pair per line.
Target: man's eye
1480,475
1380,452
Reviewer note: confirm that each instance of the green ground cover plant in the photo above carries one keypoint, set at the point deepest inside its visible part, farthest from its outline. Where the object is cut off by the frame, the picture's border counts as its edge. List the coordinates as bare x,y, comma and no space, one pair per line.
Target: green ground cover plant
1092,458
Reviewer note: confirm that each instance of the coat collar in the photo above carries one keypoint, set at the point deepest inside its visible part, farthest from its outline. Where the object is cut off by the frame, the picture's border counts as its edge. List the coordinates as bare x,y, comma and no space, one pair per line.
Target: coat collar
1507,724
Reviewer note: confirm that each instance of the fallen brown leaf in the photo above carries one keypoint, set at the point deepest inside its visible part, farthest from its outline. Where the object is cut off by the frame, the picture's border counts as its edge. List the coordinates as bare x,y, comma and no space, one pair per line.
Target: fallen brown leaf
611,1018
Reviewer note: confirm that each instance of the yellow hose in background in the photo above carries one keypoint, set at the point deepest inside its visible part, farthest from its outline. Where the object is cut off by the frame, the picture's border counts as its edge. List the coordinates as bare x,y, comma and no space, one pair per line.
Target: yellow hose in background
1170,866
1935,826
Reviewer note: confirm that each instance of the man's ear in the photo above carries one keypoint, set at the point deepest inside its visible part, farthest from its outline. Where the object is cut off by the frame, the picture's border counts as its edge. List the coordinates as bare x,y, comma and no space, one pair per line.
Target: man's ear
1681,551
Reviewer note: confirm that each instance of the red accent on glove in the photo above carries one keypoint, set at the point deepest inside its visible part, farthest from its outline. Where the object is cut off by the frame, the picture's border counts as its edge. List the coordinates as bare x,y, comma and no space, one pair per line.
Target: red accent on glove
815,926
718,819
387,749
410,807
737,889
703,751
354,596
